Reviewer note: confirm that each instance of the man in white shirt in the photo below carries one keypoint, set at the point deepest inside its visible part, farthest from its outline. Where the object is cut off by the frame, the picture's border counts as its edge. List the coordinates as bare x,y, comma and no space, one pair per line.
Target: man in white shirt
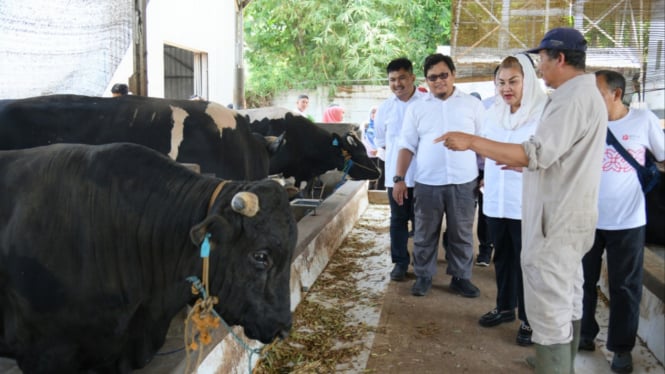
444,180
621,224
387,127
301,106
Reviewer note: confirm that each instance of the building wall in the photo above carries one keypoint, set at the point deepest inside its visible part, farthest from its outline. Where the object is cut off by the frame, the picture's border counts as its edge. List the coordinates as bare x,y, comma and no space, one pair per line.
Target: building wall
197,25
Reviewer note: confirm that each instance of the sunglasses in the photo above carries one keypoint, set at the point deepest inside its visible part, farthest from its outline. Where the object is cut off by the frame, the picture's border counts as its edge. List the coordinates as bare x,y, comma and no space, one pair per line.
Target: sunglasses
434,77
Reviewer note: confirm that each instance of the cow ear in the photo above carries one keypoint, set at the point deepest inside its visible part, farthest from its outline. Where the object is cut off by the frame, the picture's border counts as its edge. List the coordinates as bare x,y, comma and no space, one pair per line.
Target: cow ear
350,140
219,227
274,143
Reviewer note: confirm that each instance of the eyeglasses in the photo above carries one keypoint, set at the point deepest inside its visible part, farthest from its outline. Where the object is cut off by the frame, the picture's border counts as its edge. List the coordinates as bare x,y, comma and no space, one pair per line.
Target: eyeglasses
434,77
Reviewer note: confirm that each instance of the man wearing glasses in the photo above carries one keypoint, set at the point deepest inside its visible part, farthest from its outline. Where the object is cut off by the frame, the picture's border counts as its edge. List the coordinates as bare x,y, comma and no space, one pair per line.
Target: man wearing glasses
444,181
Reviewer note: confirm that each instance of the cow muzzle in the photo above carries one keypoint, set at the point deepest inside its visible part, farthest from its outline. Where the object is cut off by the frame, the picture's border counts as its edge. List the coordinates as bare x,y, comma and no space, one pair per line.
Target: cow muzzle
245,203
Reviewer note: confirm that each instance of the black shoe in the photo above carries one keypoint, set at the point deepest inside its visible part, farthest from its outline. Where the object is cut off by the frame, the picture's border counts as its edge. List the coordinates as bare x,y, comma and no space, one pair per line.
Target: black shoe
494,317
586,345
622,362
422,285
464,287
482,261
398,273
524,335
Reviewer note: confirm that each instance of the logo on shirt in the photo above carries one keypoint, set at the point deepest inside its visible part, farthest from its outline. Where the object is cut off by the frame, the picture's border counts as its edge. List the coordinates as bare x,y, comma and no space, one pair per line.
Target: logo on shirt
613,161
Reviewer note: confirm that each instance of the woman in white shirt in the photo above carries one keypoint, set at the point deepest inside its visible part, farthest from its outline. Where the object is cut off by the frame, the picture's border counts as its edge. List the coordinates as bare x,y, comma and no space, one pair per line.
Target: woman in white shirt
513,119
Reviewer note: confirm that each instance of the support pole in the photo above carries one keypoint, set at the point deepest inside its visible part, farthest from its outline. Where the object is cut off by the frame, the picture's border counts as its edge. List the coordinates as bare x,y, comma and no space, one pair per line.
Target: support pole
138,83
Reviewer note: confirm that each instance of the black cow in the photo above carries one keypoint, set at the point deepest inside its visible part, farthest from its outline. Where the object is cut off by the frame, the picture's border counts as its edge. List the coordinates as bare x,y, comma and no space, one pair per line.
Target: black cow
199,132
309,151
96,243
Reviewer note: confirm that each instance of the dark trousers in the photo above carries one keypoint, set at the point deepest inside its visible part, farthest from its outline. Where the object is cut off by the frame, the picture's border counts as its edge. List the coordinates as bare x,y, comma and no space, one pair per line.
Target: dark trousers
507,237
625,257
483,232
399,228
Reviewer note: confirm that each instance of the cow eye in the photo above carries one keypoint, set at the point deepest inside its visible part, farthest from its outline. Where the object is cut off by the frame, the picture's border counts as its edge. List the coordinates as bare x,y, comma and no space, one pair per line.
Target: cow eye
351,140
261,258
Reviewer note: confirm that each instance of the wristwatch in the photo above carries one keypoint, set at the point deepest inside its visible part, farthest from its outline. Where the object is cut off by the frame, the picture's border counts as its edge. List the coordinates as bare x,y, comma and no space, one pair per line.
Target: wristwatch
398,178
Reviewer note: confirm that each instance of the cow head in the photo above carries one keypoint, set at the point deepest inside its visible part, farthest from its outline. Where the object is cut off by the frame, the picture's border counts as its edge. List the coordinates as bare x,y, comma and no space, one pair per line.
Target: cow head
352,149
307,149
252,239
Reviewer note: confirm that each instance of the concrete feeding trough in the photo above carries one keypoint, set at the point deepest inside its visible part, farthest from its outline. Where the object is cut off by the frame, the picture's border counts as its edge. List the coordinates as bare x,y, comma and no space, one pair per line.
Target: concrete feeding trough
303,207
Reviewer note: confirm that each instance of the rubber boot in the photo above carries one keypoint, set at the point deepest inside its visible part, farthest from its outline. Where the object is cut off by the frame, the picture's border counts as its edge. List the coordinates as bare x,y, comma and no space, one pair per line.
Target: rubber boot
553,359
575,344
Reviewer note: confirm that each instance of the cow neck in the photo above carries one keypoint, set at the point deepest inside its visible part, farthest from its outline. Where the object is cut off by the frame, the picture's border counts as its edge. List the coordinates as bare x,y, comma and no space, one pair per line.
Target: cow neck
215,193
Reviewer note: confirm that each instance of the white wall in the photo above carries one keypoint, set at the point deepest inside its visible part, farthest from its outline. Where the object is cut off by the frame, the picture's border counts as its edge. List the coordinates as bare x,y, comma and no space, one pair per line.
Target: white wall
198,25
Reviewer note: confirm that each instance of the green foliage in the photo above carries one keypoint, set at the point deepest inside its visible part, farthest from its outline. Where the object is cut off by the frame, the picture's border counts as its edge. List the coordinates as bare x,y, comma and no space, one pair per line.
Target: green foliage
310,43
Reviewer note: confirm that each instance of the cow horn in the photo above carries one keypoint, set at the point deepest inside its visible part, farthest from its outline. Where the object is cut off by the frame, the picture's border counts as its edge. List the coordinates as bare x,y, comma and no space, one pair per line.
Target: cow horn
245,203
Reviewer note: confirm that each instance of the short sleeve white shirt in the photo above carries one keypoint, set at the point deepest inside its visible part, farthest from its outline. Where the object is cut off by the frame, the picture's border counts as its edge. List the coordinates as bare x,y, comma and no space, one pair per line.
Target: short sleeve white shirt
621,203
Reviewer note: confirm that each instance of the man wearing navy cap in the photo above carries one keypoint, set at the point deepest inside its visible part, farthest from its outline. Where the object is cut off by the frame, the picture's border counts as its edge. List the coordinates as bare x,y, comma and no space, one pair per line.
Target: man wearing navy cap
561,165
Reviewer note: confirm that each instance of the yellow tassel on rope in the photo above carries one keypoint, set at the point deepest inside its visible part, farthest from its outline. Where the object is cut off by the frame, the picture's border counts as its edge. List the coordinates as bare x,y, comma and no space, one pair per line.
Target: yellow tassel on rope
202,319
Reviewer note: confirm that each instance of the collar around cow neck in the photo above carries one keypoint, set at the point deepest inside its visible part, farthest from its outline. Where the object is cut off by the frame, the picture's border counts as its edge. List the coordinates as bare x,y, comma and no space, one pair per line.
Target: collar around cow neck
215,193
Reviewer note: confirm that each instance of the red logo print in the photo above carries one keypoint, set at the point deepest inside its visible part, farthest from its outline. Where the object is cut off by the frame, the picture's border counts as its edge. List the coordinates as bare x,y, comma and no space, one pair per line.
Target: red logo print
625,137
614,162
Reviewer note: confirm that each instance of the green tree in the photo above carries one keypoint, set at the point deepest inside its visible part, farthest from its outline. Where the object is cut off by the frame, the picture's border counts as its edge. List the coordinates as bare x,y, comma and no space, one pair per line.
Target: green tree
310,43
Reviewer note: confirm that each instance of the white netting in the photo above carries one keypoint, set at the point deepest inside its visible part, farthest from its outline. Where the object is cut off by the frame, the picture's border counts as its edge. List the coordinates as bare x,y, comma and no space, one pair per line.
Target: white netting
61,46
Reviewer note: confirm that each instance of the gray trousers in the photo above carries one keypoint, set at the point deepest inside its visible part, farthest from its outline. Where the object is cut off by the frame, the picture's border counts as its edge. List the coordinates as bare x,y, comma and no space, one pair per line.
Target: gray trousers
431,203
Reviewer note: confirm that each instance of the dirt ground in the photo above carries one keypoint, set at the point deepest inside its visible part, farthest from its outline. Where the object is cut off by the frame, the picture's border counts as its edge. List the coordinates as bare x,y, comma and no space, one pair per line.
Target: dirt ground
439,333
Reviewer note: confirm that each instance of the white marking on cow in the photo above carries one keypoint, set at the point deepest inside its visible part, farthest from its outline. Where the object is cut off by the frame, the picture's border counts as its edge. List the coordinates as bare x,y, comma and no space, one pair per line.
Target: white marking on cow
222,116
178,116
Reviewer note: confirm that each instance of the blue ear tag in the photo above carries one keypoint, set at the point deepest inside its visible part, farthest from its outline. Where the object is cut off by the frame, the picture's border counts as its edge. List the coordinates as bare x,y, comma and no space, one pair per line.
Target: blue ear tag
335,143
205,246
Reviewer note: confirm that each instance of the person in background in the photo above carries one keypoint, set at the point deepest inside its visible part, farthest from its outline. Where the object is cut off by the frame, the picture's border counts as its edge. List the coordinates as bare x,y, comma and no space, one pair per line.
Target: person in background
333,114
514,120
388,125
376,154
119,89
444,180
301,106
561,166
621,224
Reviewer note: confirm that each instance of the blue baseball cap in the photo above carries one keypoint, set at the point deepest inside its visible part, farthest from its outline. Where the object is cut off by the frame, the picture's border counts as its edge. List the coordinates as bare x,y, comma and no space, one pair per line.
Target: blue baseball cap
562,38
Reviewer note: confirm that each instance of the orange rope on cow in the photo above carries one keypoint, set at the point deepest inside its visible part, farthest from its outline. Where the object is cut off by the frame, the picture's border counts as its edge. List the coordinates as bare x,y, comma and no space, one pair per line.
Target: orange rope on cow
202,316
204,320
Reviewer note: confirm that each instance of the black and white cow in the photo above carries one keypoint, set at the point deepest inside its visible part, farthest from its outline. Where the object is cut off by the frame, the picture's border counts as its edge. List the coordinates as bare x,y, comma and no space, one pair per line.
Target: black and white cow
199,132
309,151
96,243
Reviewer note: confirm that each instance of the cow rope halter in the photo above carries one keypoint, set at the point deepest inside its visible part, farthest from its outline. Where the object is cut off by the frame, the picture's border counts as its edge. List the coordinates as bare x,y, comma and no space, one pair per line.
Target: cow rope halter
203,315
348,164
